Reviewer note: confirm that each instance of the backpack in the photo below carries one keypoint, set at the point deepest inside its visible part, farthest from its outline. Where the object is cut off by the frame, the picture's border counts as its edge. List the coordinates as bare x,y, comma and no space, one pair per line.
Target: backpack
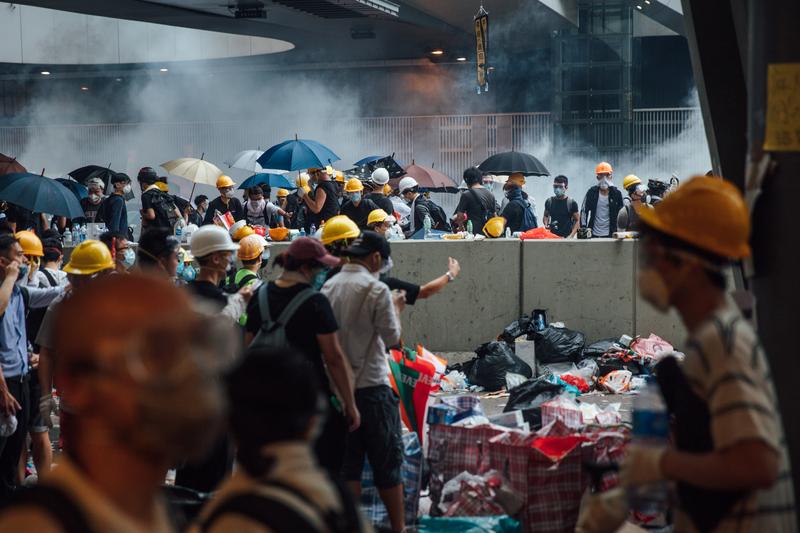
280,516
273,332
438,216
528,217
232,286
164,208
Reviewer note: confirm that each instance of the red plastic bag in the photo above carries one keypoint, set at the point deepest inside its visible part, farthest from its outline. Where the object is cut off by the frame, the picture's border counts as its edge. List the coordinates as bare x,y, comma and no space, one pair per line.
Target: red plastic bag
412,380
576,381
539,233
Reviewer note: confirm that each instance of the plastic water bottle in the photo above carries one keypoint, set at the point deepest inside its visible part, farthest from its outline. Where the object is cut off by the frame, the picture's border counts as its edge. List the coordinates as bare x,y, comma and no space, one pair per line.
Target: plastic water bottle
650,428
312,230
180,225
426,224
302,232
83,233
67,237
469,227
508,232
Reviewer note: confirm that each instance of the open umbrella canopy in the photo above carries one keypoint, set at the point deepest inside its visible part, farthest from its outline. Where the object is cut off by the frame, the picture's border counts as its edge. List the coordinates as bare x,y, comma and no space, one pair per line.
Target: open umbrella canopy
40,194
427,177
10,165
273,180
367,160
247,160
298,154
514,162
84,174
194,170
79,190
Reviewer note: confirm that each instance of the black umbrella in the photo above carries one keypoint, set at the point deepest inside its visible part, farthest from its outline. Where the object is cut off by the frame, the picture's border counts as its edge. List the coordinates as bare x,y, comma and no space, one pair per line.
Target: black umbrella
506,163
84,174
40,194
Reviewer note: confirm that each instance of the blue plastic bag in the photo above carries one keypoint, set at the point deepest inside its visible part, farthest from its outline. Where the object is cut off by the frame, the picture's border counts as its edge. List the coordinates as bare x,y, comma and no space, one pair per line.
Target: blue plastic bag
469,524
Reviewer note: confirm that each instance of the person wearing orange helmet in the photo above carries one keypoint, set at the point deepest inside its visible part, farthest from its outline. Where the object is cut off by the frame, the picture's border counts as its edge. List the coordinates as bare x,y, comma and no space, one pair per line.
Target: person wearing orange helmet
602,203
226,201
729,456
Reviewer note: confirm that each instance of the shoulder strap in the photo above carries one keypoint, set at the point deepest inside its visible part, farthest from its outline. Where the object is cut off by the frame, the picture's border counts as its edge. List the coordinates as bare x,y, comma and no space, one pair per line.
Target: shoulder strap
57,504
263,307
299,299
50,279
26,296
277,515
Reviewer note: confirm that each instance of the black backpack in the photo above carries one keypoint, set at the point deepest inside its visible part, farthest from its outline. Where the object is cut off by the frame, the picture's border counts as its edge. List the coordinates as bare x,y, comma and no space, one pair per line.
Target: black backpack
56,503
273,332
438,216
164,208
487,212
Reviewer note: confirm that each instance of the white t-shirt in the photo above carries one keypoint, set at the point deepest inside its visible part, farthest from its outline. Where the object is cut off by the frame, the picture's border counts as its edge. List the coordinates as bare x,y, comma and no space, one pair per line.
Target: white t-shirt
602,218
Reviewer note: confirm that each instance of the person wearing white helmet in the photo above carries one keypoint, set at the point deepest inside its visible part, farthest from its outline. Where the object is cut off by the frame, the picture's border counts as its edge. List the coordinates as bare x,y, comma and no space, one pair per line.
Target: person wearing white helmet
374,193
421,207
91,204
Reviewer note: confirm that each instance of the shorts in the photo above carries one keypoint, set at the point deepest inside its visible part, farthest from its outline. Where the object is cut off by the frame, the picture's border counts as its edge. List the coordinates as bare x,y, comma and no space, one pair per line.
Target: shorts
378,438
35,421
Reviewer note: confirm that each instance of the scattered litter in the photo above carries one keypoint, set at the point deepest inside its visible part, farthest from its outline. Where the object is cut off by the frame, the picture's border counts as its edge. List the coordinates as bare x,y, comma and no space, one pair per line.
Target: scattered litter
513,380
616,382
454,381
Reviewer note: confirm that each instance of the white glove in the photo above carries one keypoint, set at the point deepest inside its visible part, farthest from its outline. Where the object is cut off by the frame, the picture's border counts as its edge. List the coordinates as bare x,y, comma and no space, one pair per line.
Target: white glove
642,465
47,408
301,192
602,513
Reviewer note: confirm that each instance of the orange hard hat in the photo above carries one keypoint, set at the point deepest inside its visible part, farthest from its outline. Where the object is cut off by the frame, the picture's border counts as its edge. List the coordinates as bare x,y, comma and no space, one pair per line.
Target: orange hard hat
603,168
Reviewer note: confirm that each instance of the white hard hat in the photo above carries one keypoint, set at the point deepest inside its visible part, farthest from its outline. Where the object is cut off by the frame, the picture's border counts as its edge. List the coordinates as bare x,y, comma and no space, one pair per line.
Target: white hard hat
380,176
407,183
211,238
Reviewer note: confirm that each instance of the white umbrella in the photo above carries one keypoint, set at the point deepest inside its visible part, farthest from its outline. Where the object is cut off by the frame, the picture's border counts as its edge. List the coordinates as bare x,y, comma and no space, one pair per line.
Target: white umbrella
246,160
194,170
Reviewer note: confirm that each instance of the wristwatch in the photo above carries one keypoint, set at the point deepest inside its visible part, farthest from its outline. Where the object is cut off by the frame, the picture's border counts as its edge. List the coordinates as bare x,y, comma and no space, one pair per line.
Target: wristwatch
450,276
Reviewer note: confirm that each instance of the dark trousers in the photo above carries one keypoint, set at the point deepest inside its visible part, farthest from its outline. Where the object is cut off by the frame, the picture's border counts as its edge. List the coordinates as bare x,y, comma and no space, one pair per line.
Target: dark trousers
11,447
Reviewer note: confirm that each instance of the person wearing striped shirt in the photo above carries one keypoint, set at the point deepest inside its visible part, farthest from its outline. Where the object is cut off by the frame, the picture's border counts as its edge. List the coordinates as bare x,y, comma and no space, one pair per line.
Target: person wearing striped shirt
688,239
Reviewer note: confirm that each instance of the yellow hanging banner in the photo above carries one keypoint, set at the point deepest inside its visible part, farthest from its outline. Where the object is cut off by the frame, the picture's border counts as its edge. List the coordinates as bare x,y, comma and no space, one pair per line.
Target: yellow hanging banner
481,45
783,108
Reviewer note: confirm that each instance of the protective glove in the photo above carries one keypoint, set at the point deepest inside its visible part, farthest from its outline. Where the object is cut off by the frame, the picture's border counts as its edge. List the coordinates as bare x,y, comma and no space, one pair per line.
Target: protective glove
604,512
47,407
642,465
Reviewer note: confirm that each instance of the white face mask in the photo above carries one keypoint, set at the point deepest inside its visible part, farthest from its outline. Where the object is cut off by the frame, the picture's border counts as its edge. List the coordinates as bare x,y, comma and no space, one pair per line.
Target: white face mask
126,189
604,183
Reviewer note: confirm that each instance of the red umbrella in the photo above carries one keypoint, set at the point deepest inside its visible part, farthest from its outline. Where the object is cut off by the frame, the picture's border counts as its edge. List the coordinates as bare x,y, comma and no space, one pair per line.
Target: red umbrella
10,165
427,177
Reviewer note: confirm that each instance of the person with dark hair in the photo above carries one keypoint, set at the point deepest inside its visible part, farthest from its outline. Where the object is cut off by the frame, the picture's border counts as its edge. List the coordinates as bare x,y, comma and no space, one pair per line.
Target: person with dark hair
371,312
121,251
50,273
312,330
519,212
226,202
322,202
601,204
113,211
158,209
561,213
477,204
355,206
730,455
276,410
259,211
158,252
200,207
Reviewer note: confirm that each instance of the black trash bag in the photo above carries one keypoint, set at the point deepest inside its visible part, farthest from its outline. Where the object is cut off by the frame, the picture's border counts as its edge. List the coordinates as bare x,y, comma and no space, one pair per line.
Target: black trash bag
609,364
597,349
465,367
494,360
517,328
529,397
558,345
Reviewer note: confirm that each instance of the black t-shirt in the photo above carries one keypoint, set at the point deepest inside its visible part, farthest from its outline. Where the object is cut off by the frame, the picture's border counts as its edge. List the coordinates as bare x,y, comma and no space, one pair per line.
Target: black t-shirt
155,199
412,290
561,212
479,205
89,209
329,209
359,213
208,291
382,201
234,206
314,317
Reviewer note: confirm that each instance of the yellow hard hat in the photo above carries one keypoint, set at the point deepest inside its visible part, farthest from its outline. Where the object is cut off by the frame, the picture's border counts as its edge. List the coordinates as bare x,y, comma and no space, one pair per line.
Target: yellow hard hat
282,193
339,228
377,215
630,180
302,182
31,244
240,230
251,247
353,185
224,181
162,186
387,189
89,257
707,213
340,176
494,227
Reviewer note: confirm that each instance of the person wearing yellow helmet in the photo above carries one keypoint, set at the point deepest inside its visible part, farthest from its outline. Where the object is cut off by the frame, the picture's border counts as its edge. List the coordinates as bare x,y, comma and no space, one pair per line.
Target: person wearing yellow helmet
356,207
225,202
628,217
737,451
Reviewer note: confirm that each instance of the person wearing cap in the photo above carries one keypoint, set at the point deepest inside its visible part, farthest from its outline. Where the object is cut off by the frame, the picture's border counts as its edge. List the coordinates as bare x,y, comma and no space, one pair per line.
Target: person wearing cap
519,212
356,207
314,331
376,193
226,201
602,204
476,204
253,252
276,409
140,384
113,211
737,451
370,312
628,217
322,202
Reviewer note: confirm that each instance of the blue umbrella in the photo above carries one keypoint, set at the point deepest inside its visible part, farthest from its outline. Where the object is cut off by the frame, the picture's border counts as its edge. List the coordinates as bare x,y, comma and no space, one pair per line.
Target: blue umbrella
367,160
78,189
40,194
297,155
273,180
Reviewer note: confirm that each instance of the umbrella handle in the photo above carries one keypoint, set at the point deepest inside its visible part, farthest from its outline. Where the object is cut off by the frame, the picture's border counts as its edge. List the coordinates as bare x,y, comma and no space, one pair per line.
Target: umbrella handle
191,195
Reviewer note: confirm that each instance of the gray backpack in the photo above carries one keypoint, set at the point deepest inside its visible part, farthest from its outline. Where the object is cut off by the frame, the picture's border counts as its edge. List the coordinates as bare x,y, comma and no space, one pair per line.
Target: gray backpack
272,334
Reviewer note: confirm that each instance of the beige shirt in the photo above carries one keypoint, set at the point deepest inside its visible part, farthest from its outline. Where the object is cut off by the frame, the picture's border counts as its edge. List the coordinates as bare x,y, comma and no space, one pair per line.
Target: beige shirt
295,467
727,367
368,322
101,512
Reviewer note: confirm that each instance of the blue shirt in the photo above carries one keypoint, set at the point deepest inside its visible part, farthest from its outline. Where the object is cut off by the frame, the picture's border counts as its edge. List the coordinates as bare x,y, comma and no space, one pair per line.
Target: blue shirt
13,340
